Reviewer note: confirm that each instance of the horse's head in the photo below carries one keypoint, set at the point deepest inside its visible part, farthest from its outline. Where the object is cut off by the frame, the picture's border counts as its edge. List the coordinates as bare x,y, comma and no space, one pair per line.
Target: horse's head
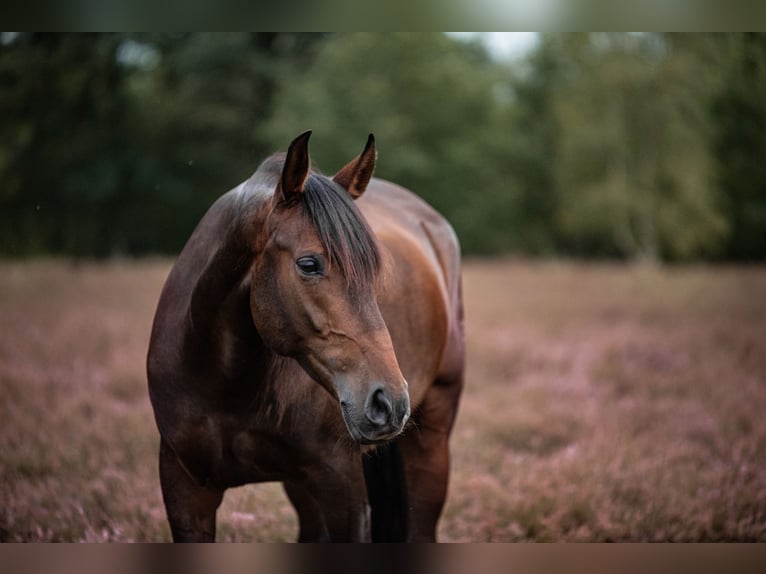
313,292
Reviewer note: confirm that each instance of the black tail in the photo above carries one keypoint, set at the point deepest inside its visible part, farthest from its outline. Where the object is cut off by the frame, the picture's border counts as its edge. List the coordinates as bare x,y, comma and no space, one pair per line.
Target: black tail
387,493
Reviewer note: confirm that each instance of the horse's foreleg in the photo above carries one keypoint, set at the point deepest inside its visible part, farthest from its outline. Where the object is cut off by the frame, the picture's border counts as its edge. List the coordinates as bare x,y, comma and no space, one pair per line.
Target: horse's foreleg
425,450
331,505
191,507
311,524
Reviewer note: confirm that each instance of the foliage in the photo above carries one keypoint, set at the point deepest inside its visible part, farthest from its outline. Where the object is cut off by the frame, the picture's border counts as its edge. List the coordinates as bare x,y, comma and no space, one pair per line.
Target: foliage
61,162
432,106
740,146
636,146
633,151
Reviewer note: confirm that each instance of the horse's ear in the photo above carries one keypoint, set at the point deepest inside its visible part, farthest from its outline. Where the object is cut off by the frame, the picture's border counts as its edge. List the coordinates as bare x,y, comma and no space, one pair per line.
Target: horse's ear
357,173
296,168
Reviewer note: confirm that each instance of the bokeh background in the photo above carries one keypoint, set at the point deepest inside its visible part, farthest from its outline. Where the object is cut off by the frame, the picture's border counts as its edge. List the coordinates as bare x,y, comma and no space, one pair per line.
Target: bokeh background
609,192
623,146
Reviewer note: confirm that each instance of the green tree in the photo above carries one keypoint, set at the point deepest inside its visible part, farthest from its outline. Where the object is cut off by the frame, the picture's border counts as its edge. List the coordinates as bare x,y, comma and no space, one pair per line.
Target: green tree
61,160
534,132
740,145
640,146
197,112
634,167
117,143
440,113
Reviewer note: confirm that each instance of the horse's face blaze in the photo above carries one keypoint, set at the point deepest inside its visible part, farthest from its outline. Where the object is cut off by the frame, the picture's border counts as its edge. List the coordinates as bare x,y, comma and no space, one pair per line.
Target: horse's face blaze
304,308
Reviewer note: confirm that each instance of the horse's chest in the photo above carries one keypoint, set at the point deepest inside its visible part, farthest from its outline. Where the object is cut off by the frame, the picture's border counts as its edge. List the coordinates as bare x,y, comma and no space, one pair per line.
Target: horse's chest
263,457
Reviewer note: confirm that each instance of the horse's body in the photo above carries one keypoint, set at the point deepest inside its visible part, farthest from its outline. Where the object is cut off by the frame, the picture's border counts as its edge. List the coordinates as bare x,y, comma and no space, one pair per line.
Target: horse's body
232,394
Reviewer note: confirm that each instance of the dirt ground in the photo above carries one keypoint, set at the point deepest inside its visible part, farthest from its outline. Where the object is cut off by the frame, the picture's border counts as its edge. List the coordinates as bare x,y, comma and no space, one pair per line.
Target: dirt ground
603,402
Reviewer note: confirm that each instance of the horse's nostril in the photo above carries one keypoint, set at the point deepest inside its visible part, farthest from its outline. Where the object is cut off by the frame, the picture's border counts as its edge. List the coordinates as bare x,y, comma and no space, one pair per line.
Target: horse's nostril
379,408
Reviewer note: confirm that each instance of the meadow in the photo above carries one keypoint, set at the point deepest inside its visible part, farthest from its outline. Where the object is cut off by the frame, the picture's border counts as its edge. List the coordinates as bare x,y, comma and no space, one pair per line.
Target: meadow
603,402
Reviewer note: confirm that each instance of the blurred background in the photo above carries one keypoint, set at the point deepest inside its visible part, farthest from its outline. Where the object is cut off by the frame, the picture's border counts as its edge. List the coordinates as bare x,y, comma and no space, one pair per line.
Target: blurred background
606,399
626,146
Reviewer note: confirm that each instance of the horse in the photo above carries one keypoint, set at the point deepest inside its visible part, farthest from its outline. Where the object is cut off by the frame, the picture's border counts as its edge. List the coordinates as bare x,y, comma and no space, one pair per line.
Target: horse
311,333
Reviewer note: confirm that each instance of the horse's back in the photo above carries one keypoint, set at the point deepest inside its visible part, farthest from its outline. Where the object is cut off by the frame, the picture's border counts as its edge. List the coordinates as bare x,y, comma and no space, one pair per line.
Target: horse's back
420,298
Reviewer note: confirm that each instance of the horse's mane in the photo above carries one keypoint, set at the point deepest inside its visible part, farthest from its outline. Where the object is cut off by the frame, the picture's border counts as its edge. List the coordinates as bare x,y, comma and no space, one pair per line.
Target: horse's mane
345,235
344,232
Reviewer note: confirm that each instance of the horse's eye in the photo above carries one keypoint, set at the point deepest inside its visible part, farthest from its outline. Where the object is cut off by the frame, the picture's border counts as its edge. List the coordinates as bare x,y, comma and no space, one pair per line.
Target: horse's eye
309,265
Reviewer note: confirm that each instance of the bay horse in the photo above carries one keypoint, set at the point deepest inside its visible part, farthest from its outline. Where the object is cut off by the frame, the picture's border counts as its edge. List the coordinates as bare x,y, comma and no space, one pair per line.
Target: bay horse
311,333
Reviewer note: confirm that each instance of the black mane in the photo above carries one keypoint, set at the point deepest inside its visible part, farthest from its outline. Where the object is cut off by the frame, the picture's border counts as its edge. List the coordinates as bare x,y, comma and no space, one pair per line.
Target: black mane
343,231
345,235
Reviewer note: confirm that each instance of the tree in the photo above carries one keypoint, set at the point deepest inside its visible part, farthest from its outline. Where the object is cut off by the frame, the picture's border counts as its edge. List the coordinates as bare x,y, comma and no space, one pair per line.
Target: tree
740,145
438,113
60,152
633,170
197,114
117,143
638,146
535,133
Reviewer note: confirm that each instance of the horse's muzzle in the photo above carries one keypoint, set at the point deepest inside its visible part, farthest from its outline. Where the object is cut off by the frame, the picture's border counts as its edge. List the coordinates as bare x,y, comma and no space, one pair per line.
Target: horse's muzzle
382,418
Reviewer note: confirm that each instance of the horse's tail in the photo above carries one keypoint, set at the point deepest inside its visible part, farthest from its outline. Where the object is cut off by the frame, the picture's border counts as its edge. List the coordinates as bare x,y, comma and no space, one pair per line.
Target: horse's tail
387,493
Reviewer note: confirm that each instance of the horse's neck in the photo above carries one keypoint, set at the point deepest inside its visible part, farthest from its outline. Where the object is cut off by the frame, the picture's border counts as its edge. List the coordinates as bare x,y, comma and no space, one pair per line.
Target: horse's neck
220,320
219,304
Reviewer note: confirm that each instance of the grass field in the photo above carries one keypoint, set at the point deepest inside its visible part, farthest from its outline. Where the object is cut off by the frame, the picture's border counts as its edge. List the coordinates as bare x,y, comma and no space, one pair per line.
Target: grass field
603,402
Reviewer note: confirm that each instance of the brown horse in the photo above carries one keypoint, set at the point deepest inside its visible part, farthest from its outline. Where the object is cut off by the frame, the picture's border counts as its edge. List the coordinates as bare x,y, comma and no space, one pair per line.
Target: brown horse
311,339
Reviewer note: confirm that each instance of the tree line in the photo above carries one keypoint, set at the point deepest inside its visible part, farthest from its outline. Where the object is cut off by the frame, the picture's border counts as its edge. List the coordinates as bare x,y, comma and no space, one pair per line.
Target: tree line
627,146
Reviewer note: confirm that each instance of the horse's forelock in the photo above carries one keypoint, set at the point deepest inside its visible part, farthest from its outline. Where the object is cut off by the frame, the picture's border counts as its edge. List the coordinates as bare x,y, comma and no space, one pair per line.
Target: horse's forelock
343,231
345,235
